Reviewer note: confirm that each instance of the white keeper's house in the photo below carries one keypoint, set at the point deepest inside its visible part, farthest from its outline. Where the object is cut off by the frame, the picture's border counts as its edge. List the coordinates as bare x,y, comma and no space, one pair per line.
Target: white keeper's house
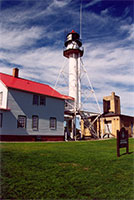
30,111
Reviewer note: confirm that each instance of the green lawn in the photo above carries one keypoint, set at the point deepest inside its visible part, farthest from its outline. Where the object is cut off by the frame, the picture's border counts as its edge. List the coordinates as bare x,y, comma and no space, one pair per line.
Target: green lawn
67,170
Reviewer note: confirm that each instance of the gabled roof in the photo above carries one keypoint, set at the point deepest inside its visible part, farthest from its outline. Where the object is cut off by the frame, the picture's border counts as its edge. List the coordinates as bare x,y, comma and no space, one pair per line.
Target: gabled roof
30,86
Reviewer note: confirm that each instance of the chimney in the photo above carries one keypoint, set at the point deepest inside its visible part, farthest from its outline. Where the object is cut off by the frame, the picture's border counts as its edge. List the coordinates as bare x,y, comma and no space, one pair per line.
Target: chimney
113,94
15,72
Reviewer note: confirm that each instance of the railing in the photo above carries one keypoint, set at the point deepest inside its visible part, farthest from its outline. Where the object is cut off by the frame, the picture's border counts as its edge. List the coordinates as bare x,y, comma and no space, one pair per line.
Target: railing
80,48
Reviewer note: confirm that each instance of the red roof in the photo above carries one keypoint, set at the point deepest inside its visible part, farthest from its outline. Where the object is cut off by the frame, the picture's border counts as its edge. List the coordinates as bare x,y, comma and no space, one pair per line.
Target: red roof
73,31
30,86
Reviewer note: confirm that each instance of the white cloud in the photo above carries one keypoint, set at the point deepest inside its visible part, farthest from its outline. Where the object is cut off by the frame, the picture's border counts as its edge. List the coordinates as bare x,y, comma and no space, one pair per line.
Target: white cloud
42,64
93,2
59,3
130,30
14,38
22,14
111,69
105,12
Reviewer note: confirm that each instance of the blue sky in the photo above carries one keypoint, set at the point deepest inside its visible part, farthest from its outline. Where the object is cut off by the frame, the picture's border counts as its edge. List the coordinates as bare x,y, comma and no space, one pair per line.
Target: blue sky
32,34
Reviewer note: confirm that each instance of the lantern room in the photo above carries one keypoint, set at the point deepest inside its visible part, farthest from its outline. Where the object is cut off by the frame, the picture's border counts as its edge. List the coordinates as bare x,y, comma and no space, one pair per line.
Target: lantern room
73,36
73,44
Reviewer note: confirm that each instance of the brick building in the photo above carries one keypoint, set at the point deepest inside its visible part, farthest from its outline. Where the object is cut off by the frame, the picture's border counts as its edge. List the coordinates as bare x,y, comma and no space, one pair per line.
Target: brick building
111,120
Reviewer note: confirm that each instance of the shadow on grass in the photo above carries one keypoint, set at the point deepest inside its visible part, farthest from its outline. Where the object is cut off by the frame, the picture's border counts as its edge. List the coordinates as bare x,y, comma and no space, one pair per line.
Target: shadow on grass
126,153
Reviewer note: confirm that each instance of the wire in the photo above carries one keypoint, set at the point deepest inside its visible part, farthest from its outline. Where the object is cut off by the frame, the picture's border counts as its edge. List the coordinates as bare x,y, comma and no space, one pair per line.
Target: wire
60,72
92,90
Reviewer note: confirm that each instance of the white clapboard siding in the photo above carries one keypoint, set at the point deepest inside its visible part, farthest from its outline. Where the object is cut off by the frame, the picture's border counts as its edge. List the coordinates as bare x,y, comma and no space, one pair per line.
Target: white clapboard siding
21,103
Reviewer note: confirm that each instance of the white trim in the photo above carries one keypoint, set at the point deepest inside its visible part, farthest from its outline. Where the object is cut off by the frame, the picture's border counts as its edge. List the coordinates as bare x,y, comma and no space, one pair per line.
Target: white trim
4,89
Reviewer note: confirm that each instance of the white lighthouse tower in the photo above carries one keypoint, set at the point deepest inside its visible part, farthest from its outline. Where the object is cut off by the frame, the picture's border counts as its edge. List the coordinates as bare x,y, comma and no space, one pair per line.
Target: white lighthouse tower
73,51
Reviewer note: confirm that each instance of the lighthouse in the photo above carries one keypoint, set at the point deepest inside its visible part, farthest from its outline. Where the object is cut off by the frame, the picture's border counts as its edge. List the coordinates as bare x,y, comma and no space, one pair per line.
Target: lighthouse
73,51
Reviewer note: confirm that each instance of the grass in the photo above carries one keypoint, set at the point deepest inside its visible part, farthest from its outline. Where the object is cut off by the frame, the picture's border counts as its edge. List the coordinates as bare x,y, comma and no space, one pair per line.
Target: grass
68,170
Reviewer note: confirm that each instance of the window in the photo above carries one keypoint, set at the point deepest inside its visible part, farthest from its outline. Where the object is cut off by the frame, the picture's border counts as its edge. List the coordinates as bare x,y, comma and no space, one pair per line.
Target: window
35,120
42,100
1,98
1,116
108,106
39,100
35,99
53,123
21,121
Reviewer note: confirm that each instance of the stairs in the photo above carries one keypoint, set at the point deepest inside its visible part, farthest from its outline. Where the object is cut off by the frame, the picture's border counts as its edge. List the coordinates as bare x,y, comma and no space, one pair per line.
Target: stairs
88,124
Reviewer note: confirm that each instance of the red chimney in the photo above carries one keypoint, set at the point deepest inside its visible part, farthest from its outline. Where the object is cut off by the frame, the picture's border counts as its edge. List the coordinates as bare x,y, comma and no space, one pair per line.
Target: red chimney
15,72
